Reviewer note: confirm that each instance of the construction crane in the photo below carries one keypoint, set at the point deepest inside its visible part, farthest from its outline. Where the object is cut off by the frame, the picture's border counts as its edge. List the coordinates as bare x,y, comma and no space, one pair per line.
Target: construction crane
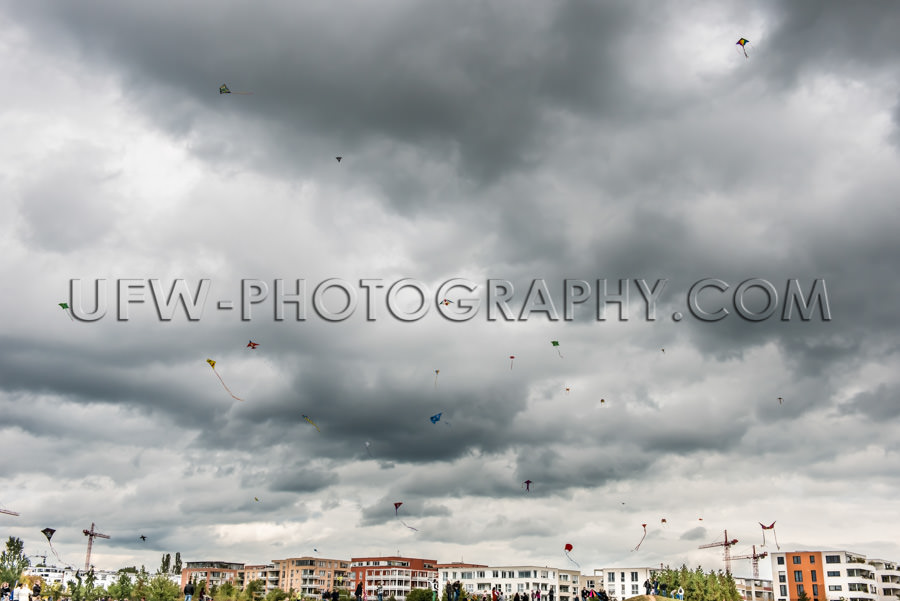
727,544
754,557
91,536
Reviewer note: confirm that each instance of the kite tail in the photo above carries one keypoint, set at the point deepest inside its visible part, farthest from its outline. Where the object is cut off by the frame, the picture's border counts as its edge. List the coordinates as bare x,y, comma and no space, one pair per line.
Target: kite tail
408,526
572,560
560,354
639,543
764,537
776,540
226,387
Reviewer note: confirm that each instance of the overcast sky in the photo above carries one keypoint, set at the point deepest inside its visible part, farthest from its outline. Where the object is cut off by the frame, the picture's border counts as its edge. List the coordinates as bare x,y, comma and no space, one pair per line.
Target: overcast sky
480,140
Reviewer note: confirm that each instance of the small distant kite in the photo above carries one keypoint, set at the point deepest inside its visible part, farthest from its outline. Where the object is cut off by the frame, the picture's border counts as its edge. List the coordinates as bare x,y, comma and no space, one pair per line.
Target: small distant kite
436,372
369,444
568,548
212,364
252,345
527,485
437,417
568,389
311,422
664,522
780,400
556,344
445,302
772,528
663,351
602,401
65,307
642,538
743,44
511,359
223,89
142,537
338,159
256,499
397,513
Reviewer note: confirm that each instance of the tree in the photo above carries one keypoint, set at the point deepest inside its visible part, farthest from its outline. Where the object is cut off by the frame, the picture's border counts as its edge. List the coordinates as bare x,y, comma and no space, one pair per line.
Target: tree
161,588
164,565
141,582
178,563
276,594
227,592
13,561
121,589
803,596
419,594
253,590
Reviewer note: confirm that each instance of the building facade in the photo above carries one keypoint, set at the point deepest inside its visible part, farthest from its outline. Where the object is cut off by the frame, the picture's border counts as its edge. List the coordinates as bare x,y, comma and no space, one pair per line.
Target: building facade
397,575
214,573
267,573
831,575
754,589
622,583
512,580
312,576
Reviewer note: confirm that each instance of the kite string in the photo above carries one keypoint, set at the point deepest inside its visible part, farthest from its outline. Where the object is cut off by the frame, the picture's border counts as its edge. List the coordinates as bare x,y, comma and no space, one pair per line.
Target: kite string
226,386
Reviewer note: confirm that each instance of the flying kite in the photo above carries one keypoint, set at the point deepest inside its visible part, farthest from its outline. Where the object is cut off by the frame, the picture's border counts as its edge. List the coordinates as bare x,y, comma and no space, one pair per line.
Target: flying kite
642,538
252,345
602,401
223,89
568,548
369,444
445,302
556,344
527,485
511,359
780,400
48,532
772,528
397,513
256,499
307,418
663,521
436,418
338,159
436,372
567,389
142,537
212,364
65,307
743,44
663,351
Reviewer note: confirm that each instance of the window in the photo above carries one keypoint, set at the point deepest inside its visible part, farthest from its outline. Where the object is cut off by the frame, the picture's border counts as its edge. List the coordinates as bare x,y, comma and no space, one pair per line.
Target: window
812,559
525,574
782,577
795,559
634,576
812,576
799,590
782,590
780,560
612,577
832,559
634,589
815,590
496,574
798,576
834,587
833,573
481,574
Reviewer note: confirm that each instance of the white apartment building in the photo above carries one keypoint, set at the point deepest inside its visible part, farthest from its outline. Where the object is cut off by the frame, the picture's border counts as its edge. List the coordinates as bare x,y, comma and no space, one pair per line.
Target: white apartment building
481,580
832,576
754,589
54,574
622,583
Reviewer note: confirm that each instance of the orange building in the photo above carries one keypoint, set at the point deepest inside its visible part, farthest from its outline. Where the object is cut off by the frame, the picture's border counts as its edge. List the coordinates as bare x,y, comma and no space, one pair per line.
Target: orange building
312,576
397,575
213,573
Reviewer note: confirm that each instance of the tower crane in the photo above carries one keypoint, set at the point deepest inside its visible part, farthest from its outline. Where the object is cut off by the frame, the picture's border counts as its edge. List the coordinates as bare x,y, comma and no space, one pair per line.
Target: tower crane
727,544
91,536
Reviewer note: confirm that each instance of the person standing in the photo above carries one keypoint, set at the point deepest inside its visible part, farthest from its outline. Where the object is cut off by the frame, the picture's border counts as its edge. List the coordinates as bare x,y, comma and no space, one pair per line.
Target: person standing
5,591
359,592
380,592
335,594
647,586
188,591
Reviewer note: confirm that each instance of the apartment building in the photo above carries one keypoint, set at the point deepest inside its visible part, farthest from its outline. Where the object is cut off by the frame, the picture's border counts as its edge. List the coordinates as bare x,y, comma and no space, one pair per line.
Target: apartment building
267,573
214,573
311,576
621,583
397,575
754,589
831,575
480,580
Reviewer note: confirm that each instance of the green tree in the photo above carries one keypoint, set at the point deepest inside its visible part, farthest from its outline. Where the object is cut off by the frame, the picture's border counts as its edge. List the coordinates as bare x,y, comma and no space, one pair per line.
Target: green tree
161,588
227,592
253,590
803,596
276,594
141,582
178,563
164,565
121,589
13,561
419,594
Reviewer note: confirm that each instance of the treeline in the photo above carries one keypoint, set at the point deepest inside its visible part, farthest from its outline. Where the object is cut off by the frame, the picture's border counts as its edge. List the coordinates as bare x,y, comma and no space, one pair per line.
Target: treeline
699,585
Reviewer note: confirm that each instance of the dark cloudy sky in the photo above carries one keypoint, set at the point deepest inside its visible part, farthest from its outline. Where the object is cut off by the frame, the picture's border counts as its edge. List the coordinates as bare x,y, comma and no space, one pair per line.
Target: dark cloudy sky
512,141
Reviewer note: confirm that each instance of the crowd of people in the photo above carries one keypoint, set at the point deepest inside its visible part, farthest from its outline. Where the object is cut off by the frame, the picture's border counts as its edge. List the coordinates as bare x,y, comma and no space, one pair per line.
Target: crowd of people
654,588
19,592
497,594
